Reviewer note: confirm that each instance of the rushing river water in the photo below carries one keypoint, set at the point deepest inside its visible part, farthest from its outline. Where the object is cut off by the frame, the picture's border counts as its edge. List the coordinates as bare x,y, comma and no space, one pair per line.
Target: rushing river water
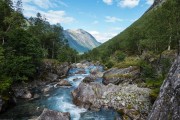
60,99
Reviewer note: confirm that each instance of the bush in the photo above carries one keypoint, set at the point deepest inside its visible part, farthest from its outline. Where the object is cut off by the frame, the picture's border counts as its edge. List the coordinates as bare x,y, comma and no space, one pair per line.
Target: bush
147,71
109,64
5,83
155,86
154,94
129,61
120,56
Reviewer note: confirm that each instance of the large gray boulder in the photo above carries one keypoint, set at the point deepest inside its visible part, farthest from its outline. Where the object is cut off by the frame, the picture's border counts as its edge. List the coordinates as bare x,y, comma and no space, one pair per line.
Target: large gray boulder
52,70
123,75
167,105
53,115
126,98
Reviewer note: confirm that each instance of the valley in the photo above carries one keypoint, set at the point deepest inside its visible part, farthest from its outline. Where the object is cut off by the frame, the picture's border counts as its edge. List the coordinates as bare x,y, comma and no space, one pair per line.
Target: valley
48,73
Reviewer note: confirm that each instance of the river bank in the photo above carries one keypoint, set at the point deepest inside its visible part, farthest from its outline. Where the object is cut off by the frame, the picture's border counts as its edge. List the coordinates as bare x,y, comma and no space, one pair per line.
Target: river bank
63,87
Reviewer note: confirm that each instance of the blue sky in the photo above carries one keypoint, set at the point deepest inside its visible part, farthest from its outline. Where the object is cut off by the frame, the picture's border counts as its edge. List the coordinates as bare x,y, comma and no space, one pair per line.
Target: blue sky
102,18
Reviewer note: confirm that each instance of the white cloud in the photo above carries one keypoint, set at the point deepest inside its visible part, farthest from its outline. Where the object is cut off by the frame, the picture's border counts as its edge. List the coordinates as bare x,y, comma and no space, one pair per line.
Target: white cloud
102,37
112,19
45,4
95,22
58,16
108,2
149,2
128,3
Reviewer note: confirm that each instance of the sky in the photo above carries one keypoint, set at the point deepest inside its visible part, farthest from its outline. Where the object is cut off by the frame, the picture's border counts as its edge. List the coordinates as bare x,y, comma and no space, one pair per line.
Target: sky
104,19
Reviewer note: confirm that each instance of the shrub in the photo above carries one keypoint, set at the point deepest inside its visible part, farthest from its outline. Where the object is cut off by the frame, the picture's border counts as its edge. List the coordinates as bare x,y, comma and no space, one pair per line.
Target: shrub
5,83
120,56
109,64
129,61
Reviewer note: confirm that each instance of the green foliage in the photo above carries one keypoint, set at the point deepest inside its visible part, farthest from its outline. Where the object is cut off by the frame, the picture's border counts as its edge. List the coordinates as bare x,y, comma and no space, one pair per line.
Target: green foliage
156,31
25,42
147,71
129,61
155,85
154,94
67,55
109,64
120,56
166,64
5,83
1,55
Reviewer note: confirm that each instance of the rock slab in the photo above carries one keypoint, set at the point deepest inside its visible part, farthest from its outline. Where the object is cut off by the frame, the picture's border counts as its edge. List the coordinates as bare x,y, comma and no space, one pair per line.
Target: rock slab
167,105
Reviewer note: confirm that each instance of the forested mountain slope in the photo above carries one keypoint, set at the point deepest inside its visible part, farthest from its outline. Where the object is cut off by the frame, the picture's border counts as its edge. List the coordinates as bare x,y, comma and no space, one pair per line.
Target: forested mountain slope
157,30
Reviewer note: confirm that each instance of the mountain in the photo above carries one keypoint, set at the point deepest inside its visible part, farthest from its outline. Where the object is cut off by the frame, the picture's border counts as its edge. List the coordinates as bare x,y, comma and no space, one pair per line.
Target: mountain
156,31
81,40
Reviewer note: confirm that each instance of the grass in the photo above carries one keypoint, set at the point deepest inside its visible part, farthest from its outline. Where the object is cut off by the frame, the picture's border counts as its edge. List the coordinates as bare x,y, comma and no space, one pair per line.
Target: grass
155,87
129,61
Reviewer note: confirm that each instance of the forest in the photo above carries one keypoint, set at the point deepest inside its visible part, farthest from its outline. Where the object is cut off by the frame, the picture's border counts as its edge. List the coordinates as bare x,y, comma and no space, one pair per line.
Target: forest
25,42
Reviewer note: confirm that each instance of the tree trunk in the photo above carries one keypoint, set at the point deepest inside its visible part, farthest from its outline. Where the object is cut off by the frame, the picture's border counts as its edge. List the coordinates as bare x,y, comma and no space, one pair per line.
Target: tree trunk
169,45
53,51
3,41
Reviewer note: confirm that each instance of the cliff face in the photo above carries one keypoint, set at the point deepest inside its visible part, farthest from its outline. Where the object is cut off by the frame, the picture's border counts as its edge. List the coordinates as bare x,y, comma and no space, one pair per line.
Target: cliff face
167,105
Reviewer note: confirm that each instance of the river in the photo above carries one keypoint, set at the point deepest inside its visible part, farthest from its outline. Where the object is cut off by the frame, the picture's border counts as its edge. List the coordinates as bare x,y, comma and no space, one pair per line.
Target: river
60,99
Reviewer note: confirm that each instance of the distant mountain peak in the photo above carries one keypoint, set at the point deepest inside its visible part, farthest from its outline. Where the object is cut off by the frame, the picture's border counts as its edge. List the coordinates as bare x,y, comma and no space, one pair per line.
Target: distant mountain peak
80,40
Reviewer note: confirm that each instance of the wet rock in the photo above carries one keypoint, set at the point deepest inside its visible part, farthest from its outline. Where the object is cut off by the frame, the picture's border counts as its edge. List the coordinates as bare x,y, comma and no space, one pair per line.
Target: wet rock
75,79
88,79
46,89
64,83
80,65
117,76
81,71
53,115
167,105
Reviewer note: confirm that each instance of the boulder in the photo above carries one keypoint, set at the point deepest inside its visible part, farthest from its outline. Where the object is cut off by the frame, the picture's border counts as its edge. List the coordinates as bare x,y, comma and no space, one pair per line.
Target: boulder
51,77
64,83
54,68
53,115
46,89
167,105
88,79
124,75
36,96
23,93
95,95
